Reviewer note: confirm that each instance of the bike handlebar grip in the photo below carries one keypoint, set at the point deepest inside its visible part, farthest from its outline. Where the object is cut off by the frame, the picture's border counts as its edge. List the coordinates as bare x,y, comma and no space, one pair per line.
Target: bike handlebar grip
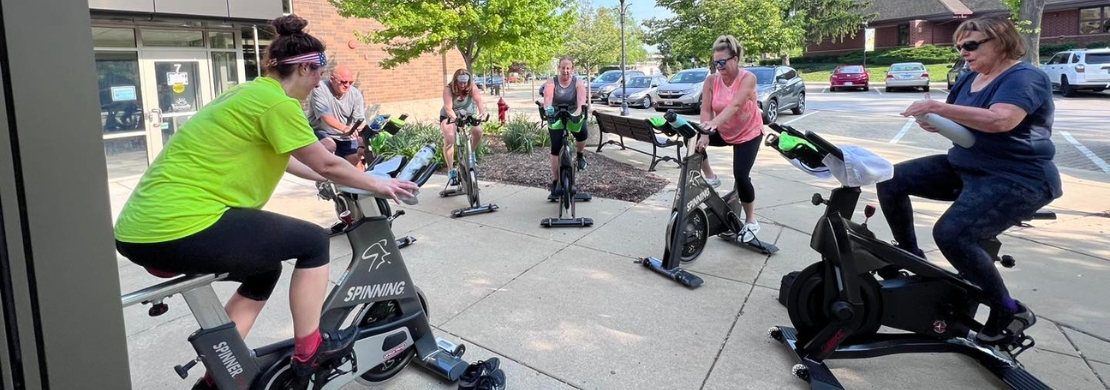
824,145
958,134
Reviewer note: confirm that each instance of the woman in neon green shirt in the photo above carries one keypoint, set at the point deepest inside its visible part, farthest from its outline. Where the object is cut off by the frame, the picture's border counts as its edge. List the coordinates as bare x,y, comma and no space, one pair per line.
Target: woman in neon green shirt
197,209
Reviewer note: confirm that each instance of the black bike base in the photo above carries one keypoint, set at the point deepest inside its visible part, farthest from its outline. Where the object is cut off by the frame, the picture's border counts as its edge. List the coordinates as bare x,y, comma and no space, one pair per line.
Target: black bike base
755,244
489,208
405,241
452,192
678,275
580,197
819,377
567,222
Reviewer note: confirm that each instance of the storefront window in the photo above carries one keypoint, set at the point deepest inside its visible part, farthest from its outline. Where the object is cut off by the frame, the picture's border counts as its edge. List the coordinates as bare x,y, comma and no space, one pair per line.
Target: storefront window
173,38
121,99
250,57
113,37
224,72
221,40
1094,20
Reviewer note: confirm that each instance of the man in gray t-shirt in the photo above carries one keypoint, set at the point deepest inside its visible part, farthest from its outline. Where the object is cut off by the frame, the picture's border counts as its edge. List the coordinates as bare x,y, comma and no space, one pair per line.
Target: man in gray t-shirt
336,105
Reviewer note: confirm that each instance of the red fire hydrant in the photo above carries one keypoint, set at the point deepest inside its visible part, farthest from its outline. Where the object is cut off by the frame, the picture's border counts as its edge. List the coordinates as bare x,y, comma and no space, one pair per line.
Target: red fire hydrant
502,110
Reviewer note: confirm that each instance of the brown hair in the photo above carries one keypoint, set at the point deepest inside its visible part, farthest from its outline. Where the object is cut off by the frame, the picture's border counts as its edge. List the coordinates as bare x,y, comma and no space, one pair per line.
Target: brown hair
291,41
730,44
999,28
455,90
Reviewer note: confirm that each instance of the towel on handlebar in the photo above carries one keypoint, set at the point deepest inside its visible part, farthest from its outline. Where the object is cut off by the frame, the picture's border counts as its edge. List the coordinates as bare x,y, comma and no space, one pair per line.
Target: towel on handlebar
859,168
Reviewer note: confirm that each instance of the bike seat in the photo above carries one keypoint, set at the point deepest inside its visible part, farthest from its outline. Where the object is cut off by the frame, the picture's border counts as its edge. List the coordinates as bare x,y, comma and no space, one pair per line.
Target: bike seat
162,274
389,167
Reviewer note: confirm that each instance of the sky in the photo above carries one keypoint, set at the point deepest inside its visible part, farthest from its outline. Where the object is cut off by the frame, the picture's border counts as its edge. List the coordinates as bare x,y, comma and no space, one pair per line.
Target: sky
641,10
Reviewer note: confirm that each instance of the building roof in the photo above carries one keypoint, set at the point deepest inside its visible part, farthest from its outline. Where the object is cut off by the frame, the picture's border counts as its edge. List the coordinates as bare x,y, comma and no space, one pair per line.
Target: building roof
901,10
1052,5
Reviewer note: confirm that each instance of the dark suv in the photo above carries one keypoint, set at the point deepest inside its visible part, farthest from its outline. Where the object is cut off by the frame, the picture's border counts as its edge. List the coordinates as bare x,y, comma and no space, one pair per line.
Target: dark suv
957,70
779,88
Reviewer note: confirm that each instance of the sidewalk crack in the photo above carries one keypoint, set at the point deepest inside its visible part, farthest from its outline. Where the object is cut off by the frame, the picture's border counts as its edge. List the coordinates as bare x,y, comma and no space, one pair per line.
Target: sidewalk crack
1062,328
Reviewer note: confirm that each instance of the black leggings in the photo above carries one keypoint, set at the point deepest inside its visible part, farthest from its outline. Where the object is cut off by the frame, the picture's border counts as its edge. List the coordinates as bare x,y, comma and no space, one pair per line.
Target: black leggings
743,159
557,138
247,244
984,206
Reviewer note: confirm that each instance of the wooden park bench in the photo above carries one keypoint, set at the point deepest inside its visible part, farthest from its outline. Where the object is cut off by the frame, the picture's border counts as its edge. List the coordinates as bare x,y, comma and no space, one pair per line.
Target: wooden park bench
640,130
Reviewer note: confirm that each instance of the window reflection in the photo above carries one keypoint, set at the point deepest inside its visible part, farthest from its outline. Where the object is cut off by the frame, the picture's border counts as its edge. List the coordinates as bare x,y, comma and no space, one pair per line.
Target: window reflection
121,100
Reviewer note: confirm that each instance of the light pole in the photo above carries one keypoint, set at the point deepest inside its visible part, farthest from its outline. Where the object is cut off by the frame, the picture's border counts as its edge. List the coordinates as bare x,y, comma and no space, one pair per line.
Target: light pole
624,81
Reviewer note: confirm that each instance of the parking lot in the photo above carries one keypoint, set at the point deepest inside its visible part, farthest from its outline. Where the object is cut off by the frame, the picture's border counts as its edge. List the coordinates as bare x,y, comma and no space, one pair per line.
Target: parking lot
1079,130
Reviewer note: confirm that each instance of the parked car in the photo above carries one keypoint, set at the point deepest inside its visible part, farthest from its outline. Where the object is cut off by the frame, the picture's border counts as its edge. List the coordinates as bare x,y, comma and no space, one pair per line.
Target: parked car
494,83
604,84
907,75
1079,69
682,91
957,71
639,91
779,88
480,82
850,77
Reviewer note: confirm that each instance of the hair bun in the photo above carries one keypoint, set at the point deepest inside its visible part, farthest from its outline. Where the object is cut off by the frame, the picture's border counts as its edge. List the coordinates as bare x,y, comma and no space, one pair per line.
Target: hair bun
289,25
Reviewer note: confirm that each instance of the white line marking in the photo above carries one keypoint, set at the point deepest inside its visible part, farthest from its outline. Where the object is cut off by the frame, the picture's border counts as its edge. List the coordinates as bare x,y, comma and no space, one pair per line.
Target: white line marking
905,129
1086,152
803,116
876,91
824,89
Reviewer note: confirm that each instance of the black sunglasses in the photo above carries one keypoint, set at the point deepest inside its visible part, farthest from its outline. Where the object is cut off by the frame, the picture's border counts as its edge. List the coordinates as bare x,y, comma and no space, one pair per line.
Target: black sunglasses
971,45
721,63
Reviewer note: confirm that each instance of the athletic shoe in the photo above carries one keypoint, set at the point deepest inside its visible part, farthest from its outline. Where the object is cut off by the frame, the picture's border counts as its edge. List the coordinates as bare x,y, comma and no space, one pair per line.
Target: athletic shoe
334,346
713,181
494,381
1015,324
556,192
747,234
470,378
452,178
581,162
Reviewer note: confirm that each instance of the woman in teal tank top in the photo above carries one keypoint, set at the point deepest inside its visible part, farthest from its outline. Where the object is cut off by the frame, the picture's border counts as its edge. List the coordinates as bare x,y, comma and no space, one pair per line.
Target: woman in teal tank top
460,96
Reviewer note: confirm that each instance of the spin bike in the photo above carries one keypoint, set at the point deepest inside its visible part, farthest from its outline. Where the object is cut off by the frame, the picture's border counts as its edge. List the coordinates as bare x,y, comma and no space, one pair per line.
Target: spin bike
375,294
383,124
698,211
565,188
838,304
468,171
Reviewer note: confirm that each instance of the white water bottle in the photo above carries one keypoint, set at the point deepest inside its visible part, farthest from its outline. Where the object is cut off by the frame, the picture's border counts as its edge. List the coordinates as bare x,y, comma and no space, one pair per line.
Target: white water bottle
419,161
951,130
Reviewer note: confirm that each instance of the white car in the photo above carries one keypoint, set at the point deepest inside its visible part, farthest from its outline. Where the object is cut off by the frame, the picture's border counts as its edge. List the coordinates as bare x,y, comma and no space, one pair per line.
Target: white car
1078,69
907,75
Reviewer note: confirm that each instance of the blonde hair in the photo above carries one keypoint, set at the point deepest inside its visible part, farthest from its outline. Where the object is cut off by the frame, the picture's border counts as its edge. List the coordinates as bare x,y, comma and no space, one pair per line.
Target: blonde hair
454,85
999,28
730,44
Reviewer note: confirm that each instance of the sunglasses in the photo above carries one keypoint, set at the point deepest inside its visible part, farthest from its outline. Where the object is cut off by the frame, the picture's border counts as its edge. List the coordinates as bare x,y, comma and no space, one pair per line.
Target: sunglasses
350,82
971,45
721,63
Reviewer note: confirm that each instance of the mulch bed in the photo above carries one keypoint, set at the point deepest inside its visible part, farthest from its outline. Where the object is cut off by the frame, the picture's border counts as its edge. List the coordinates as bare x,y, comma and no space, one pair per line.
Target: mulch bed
603,177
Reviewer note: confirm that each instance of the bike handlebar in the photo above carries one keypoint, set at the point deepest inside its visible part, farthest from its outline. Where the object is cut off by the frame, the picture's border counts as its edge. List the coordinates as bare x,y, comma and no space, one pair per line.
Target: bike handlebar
468,120
823,146
562,111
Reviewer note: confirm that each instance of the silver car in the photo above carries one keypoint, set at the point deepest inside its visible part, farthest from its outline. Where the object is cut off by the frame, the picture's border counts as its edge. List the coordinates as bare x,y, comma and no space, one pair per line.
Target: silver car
907,75
682,91
639,91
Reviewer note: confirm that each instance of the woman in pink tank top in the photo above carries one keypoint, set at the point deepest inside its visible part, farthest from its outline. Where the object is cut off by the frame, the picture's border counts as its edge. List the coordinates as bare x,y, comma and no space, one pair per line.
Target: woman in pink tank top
733,117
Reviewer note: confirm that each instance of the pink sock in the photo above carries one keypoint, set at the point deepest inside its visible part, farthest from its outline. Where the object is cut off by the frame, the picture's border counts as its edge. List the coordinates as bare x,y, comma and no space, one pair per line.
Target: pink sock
305,347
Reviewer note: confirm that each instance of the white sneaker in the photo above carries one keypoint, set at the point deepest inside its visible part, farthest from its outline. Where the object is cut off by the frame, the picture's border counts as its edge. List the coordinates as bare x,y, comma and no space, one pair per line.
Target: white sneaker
748,233
713,181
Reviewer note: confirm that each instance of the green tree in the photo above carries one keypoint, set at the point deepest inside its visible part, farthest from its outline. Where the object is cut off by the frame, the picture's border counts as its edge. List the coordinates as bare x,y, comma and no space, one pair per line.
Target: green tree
761,26
1028,20
830,19
595,39
415,27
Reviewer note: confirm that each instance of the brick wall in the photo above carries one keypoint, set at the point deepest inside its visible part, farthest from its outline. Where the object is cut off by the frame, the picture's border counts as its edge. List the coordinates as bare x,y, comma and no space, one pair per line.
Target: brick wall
421,79
884,37
1059,23
942,32
921,33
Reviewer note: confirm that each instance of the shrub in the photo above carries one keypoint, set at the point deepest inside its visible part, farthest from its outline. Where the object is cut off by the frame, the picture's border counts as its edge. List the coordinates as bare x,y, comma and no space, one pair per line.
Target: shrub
1098,45
1051,49
522,135
932,54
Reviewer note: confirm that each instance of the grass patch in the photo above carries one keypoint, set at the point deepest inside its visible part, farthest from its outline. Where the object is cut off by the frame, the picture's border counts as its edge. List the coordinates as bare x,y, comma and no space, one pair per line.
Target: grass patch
821,72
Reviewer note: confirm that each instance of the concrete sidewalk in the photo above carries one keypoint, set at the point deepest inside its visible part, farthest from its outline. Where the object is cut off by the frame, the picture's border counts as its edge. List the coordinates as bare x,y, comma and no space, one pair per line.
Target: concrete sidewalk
570,309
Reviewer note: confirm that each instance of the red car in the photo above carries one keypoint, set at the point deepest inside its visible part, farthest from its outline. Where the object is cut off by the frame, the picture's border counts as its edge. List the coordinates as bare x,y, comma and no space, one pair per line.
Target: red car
848,76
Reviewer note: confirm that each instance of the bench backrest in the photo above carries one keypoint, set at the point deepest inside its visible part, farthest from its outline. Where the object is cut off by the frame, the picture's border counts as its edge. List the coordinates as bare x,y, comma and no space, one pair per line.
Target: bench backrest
635,128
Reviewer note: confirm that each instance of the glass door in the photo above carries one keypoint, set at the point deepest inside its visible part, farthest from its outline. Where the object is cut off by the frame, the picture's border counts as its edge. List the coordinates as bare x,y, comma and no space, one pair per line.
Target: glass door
175,85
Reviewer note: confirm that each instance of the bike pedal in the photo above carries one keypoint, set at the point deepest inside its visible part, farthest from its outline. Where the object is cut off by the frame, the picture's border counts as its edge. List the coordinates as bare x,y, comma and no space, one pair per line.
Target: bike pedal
1021,344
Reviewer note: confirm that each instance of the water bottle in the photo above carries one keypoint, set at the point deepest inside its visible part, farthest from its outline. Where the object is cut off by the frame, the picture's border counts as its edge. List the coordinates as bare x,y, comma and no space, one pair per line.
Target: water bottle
421,160
680,125
951,130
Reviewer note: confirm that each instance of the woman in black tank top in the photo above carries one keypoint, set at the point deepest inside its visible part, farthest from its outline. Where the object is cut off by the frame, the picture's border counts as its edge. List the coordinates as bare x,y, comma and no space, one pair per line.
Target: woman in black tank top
566,89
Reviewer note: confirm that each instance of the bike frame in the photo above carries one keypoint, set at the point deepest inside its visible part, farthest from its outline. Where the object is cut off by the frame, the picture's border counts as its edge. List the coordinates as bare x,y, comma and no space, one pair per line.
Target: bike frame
468,172
567,174
376,274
